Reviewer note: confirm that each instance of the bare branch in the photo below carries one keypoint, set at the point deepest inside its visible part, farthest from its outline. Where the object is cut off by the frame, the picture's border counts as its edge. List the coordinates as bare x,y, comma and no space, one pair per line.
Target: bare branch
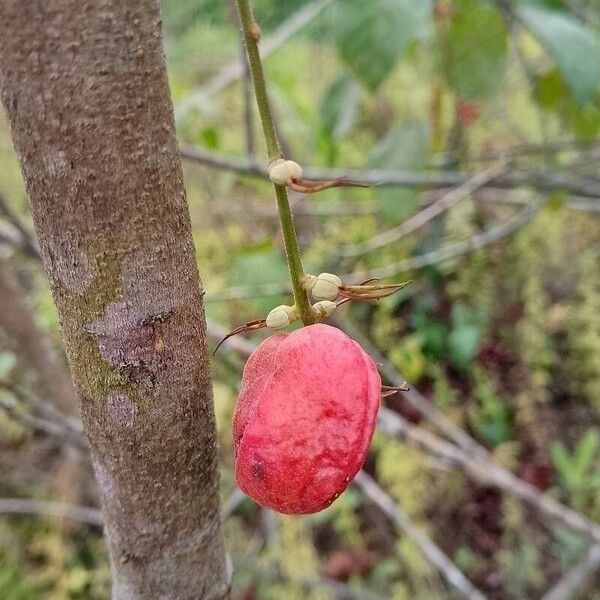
540,180
347,208
25,240
26,506
490,236
233,501
430,550
246,87
427,214
487,472
575,579
44,408
529,149
584,15
61,432
11,236
480,240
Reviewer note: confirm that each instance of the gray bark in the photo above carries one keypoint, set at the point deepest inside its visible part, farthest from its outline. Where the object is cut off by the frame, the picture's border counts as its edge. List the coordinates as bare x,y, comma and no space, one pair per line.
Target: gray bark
85,89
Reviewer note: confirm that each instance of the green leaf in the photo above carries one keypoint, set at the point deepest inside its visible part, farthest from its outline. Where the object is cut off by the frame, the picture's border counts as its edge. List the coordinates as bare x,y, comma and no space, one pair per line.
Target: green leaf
584,121
258,268
476,53
549,89
210,138
371,36
339,107
586,450
463,341
575,48
551,93
432,332
562,462
404,147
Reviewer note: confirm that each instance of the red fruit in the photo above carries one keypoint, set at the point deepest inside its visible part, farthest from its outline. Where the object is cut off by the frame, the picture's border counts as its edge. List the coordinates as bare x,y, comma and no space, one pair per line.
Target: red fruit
304,418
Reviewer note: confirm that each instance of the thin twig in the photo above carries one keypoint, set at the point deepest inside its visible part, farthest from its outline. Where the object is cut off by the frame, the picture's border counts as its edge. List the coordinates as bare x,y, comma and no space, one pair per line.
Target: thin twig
234,70
11,236
576,203
232,502
433,210
27,506
26,242
46,409
246,88
430,550
540,180
479,240
575,579
584,15
61,432
487,472
528,149
311,210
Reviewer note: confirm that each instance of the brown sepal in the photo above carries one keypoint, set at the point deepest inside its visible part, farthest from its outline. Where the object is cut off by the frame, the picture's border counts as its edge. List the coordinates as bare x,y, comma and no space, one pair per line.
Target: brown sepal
249,326
307,186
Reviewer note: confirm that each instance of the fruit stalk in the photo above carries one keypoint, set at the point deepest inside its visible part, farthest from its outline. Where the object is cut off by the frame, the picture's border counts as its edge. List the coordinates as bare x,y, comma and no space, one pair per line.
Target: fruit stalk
251,38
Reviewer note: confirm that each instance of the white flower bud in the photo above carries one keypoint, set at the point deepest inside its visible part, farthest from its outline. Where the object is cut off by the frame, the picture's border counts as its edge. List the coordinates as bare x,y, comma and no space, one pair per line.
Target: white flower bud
281,316
295,170
326,287
323,309
309,282
282,171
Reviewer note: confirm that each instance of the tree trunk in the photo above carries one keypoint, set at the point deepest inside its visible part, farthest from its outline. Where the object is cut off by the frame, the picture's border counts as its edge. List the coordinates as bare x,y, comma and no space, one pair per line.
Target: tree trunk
85,89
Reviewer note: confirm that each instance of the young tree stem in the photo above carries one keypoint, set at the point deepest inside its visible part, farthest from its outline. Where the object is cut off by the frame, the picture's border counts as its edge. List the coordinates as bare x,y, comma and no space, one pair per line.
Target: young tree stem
251,37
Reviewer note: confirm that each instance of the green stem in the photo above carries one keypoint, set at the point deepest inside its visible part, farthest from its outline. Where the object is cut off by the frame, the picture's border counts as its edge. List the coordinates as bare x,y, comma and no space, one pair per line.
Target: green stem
251,38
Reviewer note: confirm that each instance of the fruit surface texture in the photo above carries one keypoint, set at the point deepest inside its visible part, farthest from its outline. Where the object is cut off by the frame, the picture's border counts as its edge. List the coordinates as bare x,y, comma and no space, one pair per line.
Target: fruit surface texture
304,418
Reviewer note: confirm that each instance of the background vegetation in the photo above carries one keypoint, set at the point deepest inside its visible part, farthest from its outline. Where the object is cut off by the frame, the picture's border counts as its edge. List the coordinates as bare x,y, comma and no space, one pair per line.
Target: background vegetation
502,334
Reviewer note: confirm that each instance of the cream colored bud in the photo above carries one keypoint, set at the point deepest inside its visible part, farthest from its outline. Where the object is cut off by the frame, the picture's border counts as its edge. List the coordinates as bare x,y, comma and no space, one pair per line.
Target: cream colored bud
326,287
282,171
323,309
281,316
309,282
295,170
